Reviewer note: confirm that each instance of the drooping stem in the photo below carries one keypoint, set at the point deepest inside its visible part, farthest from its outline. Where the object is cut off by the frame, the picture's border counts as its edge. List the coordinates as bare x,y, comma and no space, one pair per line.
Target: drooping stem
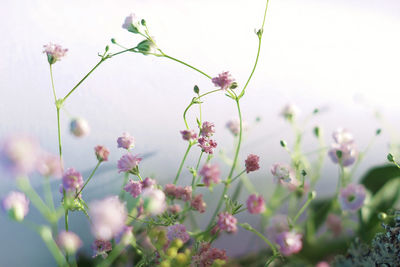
181,165
90,177
186,64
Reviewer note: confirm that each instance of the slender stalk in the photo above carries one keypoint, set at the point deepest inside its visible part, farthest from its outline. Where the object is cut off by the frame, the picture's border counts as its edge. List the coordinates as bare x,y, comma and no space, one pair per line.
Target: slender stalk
182,162
122,193
59,138
90,177
194,184
237,176
188,65
52,83
311,196
247,227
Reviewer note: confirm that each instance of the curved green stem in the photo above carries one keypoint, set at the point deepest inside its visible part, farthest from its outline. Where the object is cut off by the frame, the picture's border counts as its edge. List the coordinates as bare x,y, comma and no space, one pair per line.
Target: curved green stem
90,177
311,196
188,65
52,83
248,227
59,138
237,176
182,162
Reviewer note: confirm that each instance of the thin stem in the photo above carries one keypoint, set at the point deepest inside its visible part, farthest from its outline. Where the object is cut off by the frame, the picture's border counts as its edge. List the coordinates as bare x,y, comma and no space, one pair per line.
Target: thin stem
112,256
66,221
188,65
181,165
59,138
48,194
247,227
52,83
194,184
311,196
90,177
122,193
237,176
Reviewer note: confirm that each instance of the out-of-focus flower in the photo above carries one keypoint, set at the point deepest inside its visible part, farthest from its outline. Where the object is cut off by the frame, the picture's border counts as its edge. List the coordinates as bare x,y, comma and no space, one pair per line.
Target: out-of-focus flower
342,136
132,23
206,256
184,193
252,163
189,135
126,141
134,188
277,224
334,223
255,204
211,174
207,145
177,231
234,126
129,163
153,201
226,222
72,180
224,80
174,209
347,151
101,153
289,243
79,127
352,197
54,52
170,190
49,165
290,112
108,217
148,183
101,247
198,203
16,204
322,264
282,172
126,236
18,154
69,242
207,129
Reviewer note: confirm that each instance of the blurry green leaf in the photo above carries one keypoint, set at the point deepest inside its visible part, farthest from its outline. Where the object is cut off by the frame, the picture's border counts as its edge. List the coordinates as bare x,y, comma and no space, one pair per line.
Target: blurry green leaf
377,177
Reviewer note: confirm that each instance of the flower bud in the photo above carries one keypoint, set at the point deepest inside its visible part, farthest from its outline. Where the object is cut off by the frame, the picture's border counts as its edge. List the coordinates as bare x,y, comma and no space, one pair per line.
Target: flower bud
79,127
16,204
69,242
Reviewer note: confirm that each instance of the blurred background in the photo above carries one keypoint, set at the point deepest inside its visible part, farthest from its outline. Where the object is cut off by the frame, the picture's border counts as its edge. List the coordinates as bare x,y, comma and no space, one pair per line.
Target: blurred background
341,56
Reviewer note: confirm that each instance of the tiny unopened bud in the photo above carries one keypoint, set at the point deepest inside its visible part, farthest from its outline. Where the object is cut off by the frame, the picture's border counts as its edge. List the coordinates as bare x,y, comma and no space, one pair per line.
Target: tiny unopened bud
382,216
113,41
390,157
196,89
339,154
378,131
283,143
107,48
312,195
233,85
303,173
316,131
143,22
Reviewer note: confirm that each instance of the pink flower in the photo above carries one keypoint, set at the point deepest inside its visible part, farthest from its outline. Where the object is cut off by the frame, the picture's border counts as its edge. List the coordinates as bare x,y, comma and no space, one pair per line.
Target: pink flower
126,141
198,204
72,180
224,80
206,255
207,129
49,165
101,153
226,222
153,201
128,163
255,204
16,204
184,193
277,224
289,243
18,154
207,145
352,197
334,223
188,135
234,126
148,183
211,174
348,153
290,111
132,23
134,188
322,264
54,52
174,209
177,231
79,127
101,247
252,163
170,190
108,217
282,172
69,242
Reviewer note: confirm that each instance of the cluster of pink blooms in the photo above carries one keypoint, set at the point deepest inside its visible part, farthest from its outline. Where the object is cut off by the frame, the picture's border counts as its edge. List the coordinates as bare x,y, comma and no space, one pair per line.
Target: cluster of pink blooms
128,163
205,142
178,192
211,174
101,153
134,188
69,242
289,243
189,135
198,203
251,163
177,231
224,80
126,141
226,222
79,127
255,204
16,204
206,255
352,197
72,180
54,52
343,145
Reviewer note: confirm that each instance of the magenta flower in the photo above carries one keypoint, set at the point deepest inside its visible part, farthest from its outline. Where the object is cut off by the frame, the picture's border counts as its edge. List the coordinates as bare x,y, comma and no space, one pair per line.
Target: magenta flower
108,217
224,80
101,153
101,247
19,154
132,23
207,129
153,201
283,172
252,163
211,174
348,153
198,204
177,231
189,135
290,112
148,183
322,264
226,222
49,165
134,188
129,163
255,204
289,243
352,197
126,141
79,127
16,204
207,145
184,193
72,180
69,242
206,255
170,190
54,52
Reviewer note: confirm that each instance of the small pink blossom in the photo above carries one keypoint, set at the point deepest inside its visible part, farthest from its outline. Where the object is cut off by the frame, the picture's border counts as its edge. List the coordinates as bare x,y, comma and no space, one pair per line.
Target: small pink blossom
211,174
148,183
177,231
128,163
189,135
69,242
351,198
277,224
134,188
79,127
174,209
184,193
207,145
101,153
170,190
348,153
72,180
252,163
207,129
322,264
289,243
282,172
224,80
153,201
101,247
206,255
49,165
226,222
54,52
198,204
255,204
16,204
126,141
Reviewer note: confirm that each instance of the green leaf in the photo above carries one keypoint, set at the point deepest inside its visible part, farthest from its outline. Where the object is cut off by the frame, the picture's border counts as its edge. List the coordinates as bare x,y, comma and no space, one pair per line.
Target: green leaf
377,177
